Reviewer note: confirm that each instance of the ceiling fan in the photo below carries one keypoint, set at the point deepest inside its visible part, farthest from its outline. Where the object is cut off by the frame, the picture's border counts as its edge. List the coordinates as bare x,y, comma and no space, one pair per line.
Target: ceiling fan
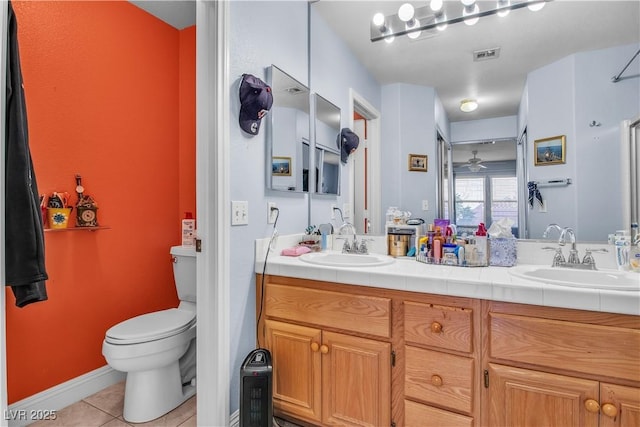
475,164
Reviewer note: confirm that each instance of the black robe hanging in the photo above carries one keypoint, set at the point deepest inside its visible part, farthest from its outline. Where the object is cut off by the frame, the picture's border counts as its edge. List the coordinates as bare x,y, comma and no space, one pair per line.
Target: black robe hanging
24,236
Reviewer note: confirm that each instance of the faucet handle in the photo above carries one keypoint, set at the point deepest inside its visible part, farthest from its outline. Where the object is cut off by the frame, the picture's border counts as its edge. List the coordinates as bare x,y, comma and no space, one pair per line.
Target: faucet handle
589,259
558,258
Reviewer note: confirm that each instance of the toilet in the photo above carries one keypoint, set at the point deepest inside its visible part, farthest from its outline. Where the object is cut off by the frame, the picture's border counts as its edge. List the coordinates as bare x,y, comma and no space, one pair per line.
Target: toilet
158,350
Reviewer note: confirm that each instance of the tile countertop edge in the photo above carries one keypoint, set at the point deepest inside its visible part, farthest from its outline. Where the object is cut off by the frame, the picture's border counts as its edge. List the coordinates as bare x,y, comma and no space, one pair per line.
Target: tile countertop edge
489,283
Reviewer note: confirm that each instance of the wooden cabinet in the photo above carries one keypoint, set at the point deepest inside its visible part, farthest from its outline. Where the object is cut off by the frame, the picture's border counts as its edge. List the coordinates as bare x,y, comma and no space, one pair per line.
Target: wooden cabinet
458,361
549,366
440,362
325,370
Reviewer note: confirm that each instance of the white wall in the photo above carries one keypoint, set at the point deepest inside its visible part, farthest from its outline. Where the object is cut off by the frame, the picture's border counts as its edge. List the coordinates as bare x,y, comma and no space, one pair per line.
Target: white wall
563,99
279,39
408,127
484,129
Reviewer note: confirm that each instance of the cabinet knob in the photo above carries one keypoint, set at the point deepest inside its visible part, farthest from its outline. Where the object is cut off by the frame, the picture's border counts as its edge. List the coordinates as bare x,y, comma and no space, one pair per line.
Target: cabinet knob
436,380
324,349
315,346
609,410
592,406
436,327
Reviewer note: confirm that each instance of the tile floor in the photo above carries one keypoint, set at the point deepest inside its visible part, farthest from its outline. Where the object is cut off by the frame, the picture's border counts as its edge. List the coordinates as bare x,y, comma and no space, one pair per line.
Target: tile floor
105,409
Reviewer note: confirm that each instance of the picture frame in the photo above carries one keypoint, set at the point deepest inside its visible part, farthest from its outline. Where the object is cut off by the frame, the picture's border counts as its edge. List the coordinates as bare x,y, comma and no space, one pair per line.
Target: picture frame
550,151
418,162
281,166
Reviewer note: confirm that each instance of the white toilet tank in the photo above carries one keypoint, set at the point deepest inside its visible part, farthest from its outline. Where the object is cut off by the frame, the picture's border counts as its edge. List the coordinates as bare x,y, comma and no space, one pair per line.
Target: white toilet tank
184,272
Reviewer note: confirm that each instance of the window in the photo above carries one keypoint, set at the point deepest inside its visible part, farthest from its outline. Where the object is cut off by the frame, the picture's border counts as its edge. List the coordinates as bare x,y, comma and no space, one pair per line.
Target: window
485,198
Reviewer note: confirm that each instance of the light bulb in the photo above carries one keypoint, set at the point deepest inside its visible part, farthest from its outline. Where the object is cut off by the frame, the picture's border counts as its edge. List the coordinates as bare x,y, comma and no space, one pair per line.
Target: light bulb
378,19
471,11
503,4
435,5
441,18
535,6
389,39
405,13
414,34
467,2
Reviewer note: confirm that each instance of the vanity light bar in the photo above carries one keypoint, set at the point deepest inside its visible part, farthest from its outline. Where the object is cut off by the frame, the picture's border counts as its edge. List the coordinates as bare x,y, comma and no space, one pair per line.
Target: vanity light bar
394,26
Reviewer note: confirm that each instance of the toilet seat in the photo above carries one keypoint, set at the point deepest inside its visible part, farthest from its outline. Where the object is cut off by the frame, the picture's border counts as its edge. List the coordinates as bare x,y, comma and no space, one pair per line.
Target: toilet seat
151,326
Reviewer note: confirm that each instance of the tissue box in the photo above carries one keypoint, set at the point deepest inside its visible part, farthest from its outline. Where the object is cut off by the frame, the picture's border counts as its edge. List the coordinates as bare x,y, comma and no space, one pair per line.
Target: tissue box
503,251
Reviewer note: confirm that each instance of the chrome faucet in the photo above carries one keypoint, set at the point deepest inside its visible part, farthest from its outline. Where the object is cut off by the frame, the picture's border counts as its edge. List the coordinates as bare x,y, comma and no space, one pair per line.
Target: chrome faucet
347,229
588,262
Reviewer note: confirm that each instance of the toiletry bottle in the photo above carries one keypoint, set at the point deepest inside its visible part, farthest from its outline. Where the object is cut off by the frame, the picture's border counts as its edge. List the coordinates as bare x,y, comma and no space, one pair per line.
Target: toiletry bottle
622,249
634,256
482,245
188,229
438,243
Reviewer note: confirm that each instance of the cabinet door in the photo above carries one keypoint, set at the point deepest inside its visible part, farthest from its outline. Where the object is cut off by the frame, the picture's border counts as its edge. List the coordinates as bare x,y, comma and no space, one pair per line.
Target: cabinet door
296,369
523,397
619,406
356,381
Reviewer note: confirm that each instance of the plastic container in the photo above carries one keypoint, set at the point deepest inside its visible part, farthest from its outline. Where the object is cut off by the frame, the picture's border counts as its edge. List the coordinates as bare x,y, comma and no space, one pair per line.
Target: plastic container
622,248
188,230
634,258
482,245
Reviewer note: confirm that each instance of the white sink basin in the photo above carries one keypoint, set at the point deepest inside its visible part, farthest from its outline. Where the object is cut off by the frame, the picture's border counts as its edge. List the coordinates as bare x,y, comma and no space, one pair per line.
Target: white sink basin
337,259
597,279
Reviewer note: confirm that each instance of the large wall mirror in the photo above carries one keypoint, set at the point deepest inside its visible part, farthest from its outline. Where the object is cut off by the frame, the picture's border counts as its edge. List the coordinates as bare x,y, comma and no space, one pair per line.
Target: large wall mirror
327,155
287,133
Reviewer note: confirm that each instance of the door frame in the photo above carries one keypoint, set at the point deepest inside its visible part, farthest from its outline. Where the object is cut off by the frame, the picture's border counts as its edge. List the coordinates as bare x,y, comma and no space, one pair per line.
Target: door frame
357,103
212,199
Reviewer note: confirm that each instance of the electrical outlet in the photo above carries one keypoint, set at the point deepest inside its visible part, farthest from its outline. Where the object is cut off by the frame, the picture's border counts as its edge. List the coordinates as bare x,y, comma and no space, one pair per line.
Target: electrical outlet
239,212
271,213
346,210
333,212
425,205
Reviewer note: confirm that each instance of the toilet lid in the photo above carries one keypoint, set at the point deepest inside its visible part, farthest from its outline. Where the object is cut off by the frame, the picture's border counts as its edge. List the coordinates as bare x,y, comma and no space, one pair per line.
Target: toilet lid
151,326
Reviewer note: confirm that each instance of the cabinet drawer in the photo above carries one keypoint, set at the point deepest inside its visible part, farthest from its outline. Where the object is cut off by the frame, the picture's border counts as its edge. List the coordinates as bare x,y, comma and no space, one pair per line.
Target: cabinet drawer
438,326
439,378
593,349
357,313
417,415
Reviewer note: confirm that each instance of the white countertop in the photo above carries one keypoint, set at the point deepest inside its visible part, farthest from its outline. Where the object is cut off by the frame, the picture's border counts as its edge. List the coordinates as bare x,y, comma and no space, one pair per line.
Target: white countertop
489,283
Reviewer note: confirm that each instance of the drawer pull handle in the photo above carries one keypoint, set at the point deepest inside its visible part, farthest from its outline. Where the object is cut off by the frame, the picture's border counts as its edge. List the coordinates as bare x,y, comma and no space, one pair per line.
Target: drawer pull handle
592,406
609,410
315,347
436,380
436,327
324,349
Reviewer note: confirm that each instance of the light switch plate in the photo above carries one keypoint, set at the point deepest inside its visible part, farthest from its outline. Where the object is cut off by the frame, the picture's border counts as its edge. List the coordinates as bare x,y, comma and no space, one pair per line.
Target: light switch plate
239,212
425,205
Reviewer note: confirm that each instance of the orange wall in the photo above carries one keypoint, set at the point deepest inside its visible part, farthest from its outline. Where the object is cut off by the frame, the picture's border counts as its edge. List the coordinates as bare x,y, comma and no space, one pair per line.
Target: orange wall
107,97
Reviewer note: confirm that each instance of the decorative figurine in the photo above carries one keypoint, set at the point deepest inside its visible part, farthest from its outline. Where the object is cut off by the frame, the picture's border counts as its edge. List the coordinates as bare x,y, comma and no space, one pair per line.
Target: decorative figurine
86,208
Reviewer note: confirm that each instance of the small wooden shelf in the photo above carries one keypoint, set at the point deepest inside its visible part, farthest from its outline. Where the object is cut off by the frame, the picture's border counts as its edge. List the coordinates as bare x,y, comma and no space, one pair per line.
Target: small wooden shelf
76,229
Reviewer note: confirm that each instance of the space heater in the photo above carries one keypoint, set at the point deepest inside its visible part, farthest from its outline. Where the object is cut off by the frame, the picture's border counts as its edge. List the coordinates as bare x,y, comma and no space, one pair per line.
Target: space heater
256,406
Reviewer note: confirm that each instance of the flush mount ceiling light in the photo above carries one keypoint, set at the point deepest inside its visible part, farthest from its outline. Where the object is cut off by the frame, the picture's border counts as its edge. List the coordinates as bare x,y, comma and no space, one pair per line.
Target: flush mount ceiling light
468,105
438,15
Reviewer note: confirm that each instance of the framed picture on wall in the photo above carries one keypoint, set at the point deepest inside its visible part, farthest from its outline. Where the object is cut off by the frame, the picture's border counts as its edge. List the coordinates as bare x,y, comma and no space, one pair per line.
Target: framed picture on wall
281,166
550,151
418,162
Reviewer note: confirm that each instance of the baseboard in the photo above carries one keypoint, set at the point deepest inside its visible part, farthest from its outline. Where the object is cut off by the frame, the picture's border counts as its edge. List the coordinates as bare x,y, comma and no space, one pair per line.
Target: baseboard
234,419
28,410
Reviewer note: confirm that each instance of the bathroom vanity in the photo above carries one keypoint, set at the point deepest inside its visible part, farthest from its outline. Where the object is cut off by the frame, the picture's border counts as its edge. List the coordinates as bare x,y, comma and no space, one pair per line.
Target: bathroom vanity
424,345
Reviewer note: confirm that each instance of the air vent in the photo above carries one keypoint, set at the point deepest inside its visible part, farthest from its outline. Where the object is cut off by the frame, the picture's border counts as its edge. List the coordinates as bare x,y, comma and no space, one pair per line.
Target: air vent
483,55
